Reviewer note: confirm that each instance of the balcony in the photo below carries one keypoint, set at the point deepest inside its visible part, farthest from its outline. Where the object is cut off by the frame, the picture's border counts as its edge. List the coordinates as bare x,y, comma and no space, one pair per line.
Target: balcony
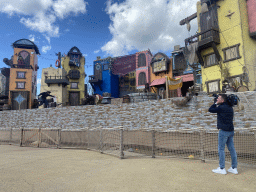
206,39
60,80
93,79
22,66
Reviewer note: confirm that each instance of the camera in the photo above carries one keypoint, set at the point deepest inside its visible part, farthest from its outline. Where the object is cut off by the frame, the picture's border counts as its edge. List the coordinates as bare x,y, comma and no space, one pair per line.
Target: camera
215,97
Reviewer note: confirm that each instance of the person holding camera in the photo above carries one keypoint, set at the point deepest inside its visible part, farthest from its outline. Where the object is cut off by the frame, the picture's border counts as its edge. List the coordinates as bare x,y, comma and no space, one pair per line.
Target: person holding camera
225,115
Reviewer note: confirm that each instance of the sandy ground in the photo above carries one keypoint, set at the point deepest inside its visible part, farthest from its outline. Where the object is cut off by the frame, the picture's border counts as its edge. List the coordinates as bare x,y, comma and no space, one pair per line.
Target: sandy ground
41,169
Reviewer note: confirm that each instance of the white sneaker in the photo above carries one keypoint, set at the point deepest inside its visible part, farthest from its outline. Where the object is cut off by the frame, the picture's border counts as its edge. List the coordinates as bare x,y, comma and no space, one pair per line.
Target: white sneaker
220,171
231,170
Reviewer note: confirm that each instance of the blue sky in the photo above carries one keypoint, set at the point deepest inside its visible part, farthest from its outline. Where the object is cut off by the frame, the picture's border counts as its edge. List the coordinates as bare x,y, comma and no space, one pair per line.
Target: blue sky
97,27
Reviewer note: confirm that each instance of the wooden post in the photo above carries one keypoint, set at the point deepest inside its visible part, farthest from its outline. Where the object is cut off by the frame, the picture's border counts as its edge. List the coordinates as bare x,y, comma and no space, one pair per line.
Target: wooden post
21,137
59,138
121,144
202,133
10,136
101,139
39,137
167,88
153,143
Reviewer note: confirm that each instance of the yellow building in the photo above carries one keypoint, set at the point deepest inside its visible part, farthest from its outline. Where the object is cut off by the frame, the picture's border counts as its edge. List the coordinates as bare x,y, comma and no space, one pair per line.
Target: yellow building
55,81
73,63
225,48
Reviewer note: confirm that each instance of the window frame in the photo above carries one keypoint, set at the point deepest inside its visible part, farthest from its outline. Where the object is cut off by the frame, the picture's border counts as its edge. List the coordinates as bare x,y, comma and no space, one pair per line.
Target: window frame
17,72
17,82
139,63
207,85
139,80
237,50
205,60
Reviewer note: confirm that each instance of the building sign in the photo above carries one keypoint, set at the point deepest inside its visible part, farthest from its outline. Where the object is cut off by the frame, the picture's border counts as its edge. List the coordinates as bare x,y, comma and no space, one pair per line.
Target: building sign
159,63
159,66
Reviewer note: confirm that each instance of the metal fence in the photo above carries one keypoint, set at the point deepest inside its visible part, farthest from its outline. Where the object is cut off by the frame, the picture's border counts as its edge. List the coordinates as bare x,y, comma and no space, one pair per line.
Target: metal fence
197,143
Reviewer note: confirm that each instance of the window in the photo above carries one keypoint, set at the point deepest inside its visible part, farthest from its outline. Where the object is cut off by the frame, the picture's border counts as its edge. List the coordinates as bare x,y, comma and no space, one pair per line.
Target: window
210,60
141,60
23,59
74,86
213,86
20,85
231,53
142,78
105,67
21,75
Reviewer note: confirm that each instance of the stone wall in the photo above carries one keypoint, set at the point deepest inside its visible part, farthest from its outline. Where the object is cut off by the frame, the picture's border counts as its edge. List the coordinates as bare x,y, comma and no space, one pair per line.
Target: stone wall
159,114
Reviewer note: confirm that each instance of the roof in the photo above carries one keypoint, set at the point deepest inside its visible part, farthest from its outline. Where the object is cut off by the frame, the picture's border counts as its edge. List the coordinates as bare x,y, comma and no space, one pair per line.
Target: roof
165,56
74,50
25,43
158,82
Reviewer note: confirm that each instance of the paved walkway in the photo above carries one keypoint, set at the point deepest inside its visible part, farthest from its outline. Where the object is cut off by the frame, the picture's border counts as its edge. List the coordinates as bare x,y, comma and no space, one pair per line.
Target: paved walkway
38,169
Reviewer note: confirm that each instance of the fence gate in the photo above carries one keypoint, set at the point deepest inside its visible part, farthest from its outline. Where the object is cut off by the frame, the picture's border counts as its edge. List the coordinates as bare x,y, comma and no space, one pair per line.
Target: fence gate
40,137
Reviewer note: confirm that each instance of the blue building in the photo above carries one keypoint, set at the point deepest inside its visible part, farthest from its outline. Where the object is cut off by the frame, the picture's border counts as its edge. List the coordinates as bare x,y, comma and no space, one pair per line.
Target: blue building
103,79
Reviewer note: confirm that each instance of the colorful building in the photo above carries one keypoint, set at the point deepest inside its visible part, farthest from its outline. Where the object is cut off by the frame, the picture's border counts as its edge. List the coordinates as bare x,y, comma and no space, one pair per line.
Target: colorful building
125,68
161,67
103,79
23,74
55,81
73,63
226,45
143,60
182,69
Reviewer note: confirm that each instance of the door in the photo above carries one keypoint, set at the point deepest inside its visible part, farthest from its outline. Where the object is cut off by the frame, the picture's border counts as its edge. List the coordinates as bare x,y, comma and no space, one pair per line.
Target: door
19,99
208,20
74,98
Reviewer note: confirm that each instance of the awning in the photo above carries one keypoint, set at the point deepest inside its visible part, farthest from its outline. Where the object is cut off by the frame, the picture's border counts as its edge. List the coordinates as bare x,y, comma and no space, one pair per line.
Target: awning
186,78
158,82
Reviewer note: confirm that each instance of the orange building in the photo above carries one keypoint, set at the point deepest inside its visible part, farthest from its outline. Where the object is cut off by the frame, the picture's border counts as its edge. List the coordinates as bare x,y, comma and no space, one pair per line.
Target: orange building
23,75
161,67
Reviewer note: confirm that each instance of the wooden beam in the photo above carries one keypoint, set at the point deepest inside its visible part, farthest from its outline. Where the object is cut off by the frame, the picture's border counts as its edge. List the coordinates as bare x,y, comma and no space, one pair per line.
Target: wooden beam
191,17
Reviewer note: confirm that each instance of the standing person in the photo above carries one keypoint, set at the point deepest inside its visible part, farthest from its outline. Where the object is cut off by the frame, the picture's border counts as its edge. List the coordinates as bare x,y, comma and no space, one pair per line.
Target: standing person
225,115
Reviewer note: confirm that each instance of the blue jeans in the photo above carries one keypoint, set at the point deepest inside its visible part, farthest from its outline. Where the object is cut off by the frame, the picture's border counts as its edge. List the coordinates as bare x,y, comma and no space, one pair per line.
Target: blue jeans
226,137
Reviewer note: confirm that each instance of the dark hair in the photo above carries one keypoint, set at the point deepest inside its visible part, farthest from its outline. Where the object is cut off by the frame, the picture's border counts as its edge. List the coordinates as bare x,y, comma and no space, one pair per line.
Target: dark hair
224,97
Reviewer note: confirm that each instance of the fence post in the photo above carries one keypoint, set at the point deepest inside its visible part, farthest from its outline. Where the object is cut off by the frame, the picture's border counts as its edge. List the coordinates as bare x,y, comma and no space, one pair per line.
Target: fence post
88,138
121,143
101,141
39,137
202,133
153,143
254,130
59,138
10,136
21,137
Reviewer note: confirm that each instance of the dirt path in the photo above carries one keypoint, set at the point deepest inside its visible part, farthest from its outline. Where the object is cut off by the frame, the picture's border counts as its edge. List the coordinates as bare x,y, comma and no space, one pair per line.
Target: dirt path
37,169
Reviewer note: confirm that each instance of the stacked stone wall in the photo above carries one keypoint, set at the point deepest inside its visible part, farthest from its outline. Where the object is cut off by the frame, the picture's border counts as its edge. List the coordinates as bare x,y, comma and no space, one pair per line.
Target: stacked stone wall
158,114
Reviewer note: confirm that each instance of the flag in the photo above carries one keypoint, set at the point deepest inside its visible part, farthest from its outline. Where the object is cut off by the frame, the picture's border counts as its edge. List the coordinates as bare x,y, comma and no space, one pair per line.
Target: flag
174,84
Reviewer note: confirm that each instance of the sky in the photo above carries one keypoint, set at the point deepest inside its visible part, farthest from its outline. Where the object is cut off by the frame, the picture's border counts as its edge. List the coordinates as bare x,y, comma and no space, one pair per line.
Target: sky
97,27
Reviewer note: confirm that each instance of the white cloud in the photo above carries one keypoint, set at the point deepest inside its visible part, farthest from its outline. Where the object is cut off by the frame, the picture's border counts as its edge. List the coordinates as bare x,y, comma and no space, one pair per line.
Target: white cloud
153,24
39,81
85,55
46,48
31,37
97,51
41,15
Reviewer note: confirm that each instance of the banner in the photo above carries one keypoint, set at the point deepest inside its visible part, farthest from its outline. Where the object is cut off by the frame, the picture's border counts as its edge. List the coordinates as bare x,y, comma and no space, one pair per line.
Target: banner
174,84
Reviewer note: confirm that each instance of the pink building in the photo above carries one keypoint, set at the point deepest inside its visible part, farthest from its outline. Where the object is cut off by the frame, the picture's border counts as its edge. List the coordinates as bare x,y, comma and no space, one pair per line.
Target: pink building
143,60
